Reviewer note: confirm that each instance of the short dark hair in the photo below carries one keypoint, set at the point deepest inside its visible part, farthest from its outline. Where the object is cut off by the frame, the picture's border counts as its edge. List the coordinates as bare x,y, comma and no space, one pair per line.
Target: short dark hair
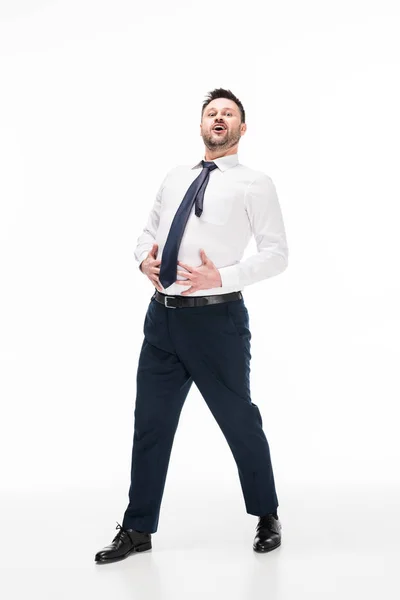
221,93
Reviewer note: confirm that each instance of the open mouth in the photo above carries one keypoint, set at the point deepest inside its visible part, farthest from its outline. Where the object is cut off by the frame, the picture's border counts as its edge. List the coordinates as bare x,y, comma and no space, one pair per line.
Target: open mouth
219,129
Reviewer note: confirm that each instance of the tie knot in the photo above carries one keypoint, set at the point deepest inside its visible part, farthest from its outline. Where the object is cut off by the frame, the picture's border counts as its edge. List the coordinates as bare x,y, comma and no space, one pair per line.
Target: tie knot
209,164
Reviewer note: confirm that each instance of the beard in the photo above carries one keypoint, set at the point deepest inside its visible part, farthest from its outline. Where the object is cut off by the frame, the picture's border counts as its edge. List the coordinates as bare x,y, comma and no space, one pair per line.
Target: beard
226,140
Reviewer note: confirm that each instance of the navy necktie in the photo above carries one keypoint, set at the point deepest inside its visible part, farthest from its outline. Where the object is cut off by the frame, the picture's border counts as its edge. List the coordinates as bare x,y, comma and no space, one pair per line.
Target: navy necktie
194,194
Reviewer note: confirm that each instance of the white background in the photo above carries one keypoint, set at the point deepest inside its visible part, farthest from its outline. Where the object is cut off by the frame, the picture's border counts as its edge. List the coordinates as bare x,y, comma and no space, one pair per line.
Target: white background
98,100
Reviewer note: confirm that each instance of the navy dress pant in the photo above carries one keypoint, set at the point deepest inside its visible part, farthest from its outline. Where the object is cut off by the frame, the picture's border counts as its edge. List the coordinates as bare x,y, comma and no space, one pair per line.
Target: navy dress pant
209,345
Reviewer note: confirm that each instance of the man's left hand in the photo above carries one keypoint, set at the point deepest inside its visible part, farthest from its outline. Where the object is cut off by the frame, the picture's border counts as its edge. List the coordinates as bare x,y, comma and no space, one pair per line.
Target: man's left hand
204,277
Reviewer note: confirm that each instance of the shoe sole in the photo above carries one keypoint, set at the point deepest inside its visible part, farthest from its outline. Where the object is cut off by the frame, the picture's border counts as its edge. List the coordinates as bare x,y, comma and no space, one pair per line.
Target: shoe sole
262,550
141,548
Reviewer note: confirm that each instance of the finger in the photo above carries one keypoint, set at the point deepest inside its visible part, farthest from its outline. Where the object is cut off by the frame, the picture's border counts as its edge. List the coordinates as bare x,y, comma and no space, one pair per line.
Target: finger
189,291
206,259
155,281
185,266
156,270
183,274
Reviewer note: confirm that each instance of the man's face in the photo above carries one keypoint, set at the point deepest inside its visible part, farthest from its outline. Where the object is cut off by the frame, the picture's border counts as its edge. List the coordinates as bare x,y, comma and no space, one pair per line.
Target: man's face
226,113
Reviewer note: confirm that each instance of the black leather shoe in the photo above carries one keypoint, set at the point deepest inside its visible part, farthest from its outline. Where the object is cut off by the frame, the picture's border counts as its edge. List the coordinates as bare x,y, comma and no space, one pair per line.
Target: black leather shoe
125,542
268,536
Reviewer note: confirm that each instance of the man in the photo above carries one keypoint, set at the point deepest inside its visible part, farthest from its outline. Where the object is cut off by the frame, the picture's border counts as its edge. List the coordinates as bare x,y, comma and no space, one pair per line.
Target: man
197,325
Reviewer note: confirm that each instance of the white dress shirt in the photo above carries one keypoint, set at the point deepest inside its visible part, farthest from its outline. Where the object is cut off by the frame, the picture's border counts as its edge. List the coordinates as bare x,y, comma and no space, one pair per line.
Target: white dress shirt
238,202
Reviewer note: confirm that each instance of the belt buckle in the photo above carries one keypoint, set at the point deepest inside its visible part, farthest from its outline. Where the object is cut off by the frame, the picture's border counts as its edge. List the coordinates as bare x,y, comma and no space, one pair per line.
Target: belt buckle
166,301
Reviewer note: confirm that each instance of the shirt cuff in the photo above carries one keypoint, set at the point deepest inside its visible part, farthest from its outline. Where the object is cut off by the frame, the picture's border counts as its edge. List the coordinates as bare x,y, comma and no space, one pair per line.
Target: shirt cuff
230,276
142,257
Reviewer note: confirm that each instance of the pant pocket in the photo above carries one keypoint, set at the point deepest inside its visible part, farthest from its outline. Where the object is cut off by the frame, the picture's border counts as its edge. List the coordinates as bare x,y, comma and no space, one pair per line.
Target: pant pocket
239,319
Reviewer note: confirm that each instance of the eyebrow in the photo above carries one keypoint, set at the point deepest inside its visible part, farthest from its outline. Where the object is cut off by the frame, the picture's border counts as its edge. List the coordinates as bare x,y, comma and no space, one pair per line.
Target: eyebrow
226,108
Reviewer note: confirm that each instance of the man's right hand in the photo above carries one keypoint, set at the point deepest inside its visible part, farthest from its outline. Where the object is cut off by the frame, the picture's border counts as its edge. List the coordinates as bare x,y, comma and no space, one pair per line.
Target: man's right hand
150,267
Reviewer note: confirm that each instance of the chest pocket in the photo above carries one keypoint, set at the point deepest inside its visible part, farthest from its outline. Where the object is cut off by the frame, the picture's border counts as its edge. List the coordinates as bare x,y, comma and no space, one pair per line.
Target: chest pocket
217,207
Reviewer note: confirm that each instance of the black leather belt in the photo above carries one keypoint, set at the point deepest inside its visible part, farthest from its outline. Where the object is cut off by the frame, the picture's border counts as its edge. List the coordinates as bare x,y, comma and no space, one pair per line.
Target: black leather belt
184,301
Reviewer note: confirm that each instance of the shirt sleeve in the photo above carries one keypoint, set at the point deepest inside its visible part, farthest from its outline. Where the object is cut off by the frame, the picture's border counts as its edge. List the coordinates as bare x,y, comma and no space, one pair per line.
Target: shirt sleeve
265,216
148,237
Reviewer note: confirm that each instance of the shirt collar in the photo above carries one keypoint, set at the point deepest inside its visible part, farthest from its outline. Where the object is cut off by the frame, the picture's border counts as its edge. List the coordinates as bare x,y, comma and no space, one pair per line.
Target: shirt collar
223,162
